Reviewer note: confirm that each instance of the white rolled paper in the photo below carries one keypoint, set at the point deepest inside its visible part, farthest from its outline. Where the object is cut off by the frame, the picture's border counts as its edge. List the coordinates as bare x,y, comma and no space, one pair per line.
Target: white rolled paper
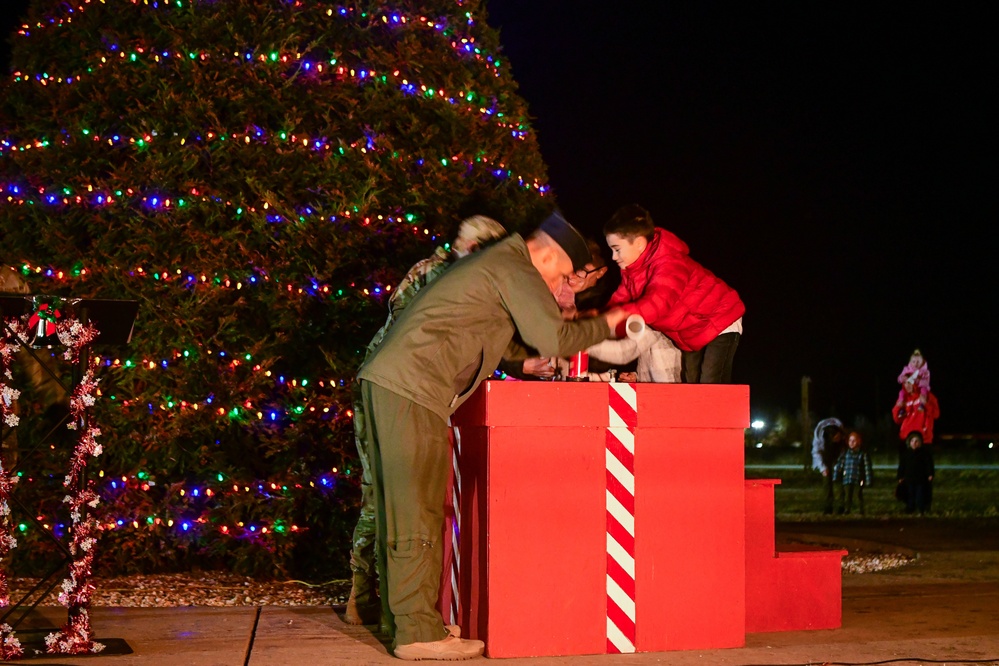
634,326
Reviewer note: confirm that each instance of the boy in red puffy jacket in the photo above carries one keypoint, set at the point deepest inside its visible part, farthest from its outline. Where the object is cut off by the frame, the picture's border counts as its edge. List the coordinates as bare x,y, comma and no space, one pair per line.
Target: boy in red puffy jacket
675,295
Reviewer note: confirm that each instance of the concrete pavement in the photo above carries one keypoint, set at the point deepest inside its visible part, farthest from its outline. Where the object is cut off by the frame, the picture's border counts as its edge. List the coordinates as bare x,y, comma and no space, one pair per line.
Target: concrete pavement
942,608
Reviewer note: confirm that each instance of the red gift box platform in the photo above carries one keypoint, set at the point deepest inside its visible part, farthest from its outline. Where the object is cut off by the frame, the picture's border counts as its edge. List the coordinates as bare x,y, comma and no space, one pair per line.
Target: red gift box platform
592,518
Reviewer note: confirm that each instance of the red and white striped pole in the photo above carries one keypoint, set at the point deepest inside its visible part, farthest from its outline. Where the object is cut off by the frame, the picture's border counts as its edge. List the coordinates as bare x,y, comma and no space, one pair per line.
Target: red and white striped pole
620,461
455,569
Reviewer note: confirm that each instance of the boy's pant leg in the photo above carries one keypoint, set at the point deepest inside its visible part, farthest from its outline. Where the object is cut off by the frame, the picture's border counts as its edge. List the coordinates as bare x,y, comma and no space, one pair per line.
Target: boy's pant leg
410,467
713,364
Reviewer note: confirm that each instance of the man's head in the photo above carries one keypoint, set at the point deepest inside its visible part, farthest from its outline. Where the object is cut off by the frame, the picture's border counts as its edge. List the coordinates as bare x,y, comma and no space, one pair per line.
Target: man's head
476,232
628,232
557,250
595,269
833,434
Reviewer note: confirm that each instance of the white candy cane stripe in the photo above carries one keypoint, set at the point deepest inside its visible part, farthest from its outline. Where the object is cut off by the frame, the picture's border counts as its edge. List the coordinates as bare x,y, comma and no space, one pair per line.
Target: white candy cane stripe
617,468
621,556
622,600
620,498
623,405
455,577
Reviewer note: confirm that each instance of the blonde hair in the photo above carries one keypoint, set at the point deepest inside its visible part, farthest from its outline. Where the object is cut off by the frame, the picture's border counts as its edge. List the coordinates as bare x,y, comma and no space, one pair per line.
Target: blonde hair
477,230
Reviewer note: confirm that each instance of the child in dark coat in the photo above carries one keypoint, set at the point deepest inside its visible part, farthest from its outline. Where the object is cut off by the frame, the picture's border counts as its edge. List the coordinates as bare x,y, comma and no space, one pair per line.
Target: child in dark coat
915,475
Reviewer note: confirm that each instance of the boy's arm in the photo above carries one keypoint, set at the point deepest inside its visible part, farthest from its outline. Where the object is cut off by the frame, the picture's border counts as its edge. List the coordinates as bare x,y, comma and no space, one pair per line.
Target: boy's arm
661,293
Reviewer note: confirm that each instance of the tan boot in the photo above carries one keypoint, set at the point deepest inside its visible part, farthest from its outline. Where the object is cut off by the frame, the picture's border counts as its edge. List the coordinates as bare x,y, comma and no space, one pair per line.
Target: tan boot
363,606
451,648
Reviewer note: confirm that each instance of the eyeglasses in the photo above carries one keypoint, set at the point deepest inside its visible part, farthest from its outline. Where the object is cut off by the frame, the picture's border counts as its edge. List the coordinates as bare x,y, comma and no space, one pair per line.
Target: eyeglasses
582,274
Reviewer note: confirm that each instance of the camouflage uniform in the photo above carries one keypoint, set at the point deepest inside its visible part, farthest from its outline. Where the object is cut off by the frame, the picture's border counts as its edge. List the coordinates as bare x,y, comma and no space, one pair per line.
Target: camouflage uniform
362,554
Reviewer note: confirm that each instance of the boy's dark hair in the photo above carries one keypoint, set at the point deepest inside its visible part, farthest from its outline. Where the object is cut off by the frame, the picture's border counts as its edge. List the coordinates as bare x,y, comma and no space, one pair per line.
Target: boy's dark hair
630,221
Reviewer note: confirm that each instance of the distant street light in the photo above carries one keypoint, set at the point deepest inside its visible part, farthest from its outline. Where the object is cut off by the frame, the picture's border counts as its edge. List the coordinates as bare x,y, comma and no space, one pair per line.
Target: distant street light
758,425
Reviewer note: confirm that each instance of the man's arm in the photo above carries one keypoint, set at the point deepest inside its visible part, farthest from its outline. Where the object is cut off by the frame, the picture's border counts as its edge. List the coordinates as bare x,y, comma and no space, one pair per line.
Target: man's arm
539,320
817,451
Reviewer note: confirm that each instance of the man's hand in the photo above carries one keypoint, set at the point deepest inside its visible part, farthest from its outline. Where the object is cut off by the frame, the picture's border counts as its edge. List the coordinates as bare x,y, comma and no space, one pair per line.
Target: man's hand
615,317
539,367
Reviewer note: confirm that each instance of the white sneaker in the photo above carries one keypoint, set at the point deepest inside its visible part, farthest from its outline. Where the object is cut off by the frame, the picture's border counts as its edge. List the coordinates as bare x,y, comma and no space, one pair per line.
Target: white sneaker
451,648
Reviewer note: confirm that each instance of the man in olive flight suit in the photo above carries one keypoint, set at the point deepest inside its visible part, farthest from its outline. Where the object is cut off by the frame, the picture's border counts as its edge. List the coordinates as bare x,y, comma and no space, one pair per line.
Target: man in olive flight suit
474,233
447,342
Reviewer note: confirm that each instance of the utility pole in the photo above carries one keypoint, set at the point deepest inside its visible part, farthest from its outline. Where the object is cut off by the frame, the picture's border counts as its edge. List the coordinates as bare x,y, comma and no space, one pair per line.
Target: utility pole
806,421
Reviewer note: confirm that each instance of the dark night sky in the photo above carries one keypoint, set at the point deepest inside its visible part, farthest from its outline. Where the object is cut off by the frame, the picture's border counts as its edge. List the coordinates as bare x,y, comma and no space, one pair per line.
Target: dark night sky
828,160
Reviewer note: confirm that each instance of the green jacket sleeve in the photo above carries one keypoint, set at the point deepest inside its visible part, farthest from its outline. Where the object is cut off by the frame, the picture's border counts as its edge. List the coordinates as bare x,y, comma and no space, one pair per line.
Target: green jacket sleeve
539,320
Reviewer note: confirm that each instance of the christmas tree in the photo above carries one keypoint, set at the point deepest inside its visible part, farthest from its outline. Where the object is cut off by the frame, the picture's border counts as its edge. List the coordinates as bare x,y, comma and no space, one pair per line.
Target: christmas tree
257,175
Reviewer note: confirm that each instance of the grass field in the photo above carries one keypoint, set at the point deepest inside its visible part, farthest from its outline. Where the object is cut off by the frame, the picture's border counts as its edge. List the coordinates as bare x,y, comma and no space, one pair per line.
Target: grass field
964,486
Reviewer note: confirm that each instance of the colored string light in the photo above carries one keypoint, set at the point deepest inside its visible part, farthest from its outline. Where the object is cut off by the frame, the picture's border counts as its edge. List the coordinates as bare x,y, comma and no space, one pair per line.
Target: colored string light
253,135
312,286
463,44
327,67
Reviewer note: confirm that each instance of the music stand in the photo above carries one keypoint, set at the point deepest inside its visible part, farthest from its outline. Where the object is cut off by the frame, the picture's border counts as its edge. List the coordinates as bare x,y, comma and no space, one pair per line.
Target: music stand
115,321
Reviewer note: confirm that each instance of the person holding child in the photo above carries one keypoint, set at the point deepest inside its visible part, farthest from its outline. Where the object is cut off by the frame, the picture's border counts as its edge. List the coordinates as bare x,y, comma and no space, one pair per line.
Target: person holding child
915,412
854,469
675,295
